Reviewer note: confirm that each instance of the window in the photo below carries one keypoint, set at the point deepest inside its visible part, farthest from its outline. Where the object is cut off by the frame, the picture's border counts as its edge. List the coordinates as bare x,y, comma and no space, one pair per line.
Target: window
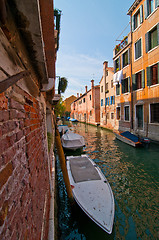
149,6
106,88
154,113
118,113
117,64
118,89
125,58
153,75
137,18
102,115
139,116
90,113
101,102
125,83
112,115
84,100
112,100
138,80
152,39
126,113
138,49
112,84
90,97
107,116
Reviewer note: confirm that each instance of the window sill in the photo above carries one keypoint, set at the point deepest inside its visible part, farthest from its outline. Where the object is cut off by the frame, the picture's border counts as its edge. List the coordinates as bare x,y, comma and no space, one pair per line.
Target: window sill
125,66
137,90
154,123
151,50
152,13
135,60
155,85
137,28
126,93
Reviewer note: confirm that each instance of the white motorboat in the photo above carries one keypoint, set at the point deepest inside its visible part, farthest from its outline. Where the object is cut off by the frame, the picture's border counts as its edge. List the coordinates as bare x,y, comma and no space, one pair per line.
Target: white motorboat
91,191
62,129
72,141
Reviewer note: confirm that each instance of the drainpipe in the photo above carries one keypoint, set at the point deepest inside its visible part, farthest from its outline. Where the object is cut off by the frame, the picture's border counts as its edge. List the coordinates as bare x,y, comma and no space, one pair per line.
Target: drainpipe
131,85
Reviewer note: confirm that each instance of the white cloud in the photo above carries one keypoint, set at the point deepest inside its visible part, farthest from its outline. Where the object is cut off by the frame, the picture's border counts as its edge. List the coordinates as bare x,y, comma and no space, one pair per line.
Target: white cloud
79,69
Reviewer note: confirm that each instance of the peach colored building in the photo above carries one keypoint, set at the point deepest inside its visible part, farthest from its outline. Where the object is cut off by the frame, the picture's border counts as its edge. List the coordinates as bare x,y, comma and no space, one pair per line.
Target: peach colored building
107,98
86,108
144,17
67,103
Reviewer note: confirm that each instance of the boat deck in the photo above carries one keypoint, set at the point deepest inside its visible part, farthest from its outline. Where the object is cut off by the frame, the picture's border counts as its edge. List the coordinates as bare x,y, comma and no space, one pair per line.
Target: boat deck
83,170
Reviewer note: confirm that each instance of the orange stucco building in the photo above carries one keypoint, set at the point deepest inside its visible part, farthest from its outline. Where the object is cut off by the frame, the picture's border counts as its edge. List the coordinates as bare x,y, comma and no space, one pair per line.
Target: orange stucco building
86,108
67,103
136,72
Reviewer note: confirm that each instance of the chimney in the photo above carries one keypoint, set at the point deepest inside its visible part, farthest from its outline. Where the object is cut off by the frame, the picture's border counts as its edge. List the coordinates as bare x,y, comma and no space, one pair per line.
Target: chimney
77,95
86,88
80,94
105,64
92,82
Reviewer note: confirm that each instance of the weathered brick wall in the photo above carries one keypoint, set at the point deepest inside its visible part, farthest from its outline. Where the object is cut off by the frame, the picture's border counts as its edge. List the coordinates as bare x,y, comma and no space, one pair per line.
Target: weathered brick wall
24,178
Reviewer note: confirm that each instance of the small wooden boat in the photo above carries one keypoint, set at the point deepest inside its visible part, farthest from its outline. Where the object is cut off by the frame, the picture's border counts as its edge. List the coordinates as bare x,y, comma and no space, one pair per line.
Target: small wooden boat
129,138
72,141
91,191
73,120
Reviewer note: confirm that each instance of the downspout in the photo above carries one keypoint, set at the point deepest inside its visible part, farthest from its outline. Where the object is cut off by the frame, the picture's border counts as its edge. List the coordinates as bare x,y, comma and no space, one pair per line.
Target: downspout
131,83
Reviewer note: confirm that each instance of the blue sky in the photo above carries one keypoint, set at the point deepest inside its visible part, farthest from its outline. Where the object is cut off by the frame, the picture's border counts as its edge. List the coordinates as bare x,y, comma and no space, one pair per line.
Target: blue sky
89,29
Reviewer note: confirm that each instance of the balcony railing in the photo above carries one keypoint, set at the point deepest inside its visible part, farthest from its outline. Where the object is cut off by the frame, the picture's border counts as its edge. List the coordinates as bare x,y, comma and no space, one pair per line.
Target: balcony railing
121,45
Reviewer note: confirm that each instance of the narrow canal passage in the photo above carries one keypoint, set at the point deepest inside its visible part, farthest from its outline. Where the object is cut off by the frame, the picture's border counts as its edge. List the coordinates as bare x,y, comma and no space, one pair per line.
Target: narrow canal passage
134,178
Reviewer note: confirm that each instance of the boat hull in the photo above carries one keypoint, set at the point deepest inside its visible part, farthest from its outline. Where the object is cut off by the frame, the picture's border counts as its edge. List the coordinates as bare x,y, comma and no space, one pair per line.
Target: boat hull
92,191
128,141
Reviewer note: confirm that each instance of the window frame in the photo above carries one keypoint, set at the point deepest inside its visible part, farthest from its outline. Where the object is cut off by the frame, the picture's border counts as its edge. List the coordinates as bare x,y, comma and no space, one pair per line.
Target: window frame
125,114
150,117
119,113
135,50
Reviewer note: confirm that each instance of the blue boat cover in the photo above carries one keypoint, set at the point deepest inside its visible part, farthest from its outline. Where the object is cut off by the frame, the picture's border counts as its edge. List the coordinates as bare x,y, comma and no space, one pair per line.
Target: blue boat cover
130,136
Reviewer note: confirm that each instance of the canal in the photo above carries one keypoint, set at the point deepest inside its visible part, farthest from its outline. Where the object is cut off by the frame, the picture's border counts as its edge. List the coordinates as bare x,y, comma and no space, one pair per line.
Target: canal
134,178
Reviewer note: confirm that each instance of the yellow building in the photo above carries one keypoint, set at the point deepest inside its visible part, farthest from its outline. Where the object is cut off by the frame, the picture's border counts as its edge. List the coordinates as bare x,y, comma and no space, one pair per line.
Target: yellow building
67,103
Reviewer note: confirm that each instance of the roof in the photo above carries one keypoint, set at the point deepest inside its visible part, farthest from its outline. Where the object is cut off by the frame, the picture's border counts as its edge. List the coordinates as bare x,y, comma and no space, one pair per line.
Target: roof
133,6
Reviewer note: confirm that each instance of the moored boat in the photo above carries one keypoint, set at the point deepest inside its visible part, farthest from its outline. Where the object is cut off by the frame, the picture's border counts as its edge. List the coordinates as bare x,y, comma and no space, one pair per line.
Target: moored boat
91,191
72,141
62,129
129,138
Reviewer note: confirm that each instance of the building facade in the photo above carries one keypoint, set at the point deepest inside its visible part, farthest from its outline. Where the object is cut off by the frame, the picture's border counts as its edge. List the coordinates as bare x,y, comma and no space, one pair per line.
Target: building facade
144,17
27,87
86,108
107,98
67,103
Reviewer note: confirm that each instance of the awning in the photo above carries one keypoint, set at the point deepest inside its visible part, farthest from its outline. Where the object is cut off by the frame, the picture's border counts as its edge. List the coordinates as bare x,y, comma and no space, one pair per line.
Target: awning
117,77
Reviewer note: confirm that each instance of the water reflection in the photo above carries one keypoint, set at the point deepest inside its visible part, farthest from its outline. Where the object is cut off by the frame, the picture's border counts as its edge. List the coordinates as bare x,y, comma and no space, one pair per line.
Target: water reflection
133,175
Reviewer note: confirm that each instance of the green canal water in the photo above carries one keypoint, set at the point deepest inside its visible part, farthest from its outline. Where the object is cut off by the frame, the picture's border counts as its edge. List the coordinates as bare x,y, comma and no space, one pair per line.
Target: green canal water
134,178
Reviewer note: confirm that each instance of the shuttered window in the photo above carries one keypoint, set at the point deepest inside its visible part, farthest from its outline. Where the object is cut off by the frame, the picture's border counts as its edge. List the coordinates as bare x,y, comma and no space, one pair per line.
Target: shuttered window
125,83
138,80
125,59
126,113
138,49
118,89
149,6
154,112
153,75
101,102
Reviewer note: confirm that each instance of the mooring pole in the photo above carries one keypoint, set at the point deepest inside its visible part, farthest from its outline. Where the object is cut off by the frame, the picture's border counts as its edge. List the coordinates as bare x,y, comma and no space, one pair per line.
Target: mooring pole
63,164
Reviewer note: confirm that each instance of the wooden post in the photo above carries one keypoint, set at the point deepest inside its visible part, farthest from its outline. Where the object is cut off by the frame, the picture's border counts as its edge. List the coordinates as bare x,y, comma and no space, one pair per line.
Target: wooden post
63,164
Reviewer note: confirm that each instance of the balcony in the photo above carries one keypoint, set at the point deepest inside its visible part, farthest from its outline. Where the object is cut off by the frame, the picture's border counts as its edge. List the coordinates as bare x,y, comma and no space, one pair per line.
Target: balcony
121,45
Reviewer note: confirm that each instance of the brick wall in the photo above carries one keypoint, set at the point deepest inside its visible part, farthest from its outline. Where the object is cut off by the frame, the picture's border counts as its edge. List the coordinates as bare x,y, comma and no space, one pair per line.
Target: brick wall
24,178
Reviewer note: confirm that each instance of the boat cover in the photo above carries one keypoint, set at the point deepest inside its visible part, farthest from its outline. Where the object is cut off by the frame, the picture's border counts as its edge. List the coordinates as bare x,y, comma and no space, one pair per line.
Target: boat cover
83,170
130,136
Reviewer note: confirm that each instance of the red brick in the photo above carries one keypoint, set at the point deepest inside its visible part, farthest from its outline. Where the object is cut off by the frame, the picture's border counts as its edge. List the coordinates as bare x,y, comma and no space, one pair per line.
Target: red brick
5,174
4,115
19,135
3,102
16,105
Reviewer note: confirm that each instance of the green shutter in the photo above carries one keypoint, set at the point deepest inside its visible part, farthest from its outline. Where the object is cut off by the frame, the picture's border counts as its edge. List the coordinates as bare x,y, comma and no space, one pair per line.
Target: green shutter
146,8
143,78
158,72
158,32
147,41
119,63
141,13
133,22
148,76
156,3
134,82
123,86
129,56
128,84
122,61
